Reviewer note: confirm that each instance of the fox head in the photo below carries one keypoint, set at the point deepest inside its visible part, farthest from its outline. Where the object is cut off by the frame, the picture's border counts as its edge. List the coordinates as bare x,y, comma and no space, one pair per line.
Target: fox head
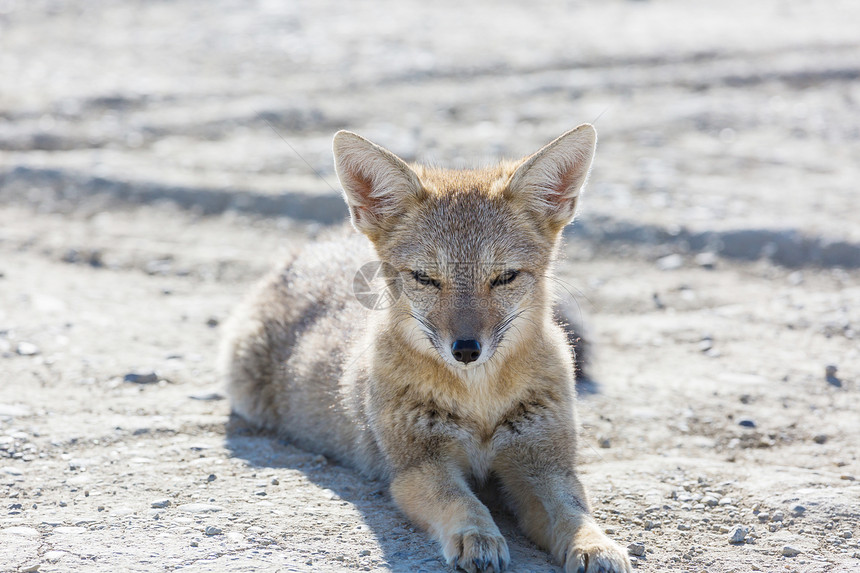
473,248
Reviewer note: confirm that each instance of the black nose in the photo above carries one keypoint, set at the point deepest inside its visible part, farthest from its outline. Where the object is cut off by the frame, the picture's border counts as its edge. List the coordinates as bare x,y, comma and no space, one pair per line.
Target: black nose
466,351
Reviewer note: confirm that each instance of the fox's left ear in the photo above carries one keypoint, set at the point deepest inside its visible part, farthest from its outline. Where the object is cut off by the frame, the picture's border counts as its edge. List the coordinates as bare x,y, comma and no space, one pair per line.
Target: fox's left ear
549,182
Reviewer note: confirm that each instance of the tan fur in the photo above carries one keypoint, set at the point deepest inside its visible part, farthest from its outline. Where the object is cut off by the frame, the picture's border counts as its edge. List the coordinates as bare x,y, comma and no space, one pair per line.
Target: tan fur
381,390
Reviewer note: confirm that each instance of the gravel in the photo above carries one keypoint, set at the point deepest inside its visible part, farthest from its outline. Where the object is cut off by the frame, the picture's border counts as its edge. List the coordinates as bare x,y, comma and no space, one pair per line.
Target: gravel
27,349
141,377
670,262
830,375
738,534
789,551
636,549
706,260
207,396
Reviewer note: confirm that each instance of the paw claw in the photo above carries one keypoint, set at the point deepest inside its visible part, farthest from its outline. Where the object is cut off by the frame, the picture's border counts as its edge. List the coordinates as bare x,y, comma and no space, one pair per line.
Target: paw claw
592,552
477,552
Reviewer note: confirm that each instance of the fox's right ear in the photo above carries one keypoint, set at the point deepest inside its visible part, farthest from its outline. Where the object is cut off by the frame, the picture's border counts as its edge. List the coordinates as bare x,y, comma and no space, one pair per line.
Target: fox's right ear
378,186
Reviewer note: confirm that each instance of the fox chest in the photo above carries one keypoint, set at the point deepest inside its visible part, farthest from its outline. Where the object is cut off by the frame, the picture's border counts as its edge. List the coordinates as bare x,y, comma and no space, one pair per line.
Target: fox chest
478,456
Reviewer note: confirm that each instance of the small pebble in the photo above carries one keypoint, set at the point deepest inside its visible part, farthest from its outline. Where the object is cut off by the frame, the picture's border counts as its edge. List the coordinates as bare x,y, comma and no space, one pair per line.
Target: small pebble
738,534
790,551
798,510
820,438
746,423
777,516
212,322
275,481
212,477
54,556
364,553
706,260
830,375
670,262
194,544
27,349
160,503
636,548
212,530
207,396
141,377
605,443
684,526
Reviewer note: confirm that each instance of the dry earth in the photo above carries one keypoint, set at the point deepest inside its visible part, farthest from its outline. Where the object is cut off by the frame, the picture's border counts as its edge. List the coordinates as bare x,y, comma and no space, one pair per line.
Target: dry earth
143,189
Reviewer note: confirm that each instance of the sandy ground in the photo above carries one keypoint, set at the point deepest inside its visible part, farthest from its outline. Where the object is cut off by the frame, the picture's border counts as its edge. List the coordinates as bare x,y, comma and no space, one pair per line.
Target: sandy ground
143,190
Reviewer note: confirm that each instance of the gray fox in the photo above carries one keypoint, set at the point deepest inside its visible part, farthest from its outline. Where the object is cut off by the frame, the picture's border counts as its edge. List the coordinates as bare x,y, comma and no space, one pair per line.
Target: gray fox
465,375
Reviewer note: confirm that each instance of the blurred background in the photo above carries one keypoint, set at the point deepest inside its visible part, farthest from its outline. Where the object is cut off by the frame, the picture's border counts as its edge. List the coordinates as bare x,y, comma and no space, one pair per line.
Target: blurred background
713,117
156,158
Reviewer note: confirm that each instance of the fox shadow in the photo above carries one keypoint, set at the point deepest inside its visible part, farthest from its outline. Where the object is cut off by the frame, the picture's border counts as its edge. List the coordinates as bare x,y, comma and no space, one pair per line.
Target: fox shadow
405,547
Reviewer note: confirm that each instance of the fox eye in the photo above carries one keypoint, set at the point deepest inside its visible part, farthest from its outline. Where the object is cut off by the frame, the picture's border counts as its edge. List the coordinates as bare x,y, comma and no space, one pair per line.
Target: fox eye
425,279
504,278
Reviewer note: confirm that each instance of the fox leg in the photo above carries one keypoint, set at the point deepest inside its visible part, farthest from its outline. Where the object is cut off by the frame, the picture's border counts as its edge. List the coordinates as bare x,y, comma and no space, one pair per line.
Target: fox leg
552,508
437,497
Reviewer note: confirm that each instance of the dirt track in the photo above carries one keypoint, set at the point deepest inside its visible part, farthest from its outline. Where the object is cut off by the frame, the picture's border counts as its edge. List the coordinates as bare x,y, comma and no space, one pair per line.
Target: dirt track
142,190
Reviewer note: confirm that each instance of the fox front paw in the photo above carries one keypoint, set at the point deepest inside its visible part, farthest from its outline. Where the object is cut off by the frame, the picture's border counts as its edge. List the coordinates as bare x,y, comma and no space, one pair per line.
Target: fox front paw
591,551
477,551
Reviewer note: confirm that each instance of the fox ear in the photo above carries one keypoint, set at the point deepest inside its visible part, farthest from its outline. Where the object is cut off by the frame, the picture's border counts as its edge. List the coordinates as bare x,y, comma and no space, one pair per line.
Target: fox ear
378,186
549,181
